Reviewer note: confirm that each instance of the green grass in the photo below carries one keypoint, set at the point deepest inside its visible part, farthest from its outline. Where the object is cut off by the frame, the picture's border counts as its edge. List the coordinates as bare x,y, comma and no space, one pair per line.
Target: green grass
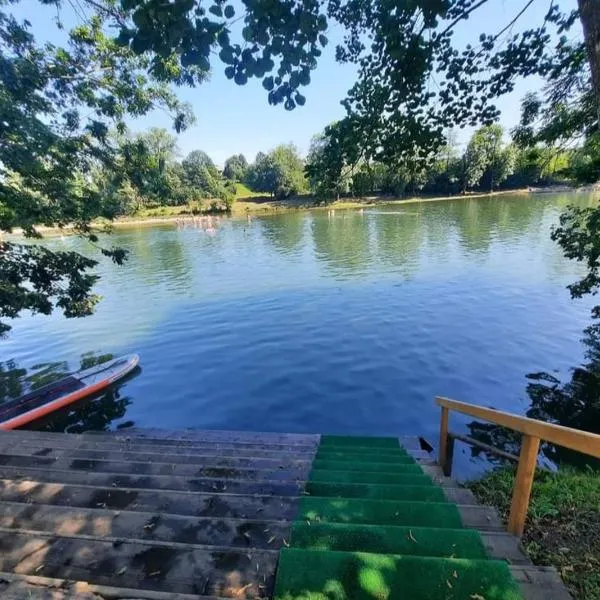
324,575
563,524
243,191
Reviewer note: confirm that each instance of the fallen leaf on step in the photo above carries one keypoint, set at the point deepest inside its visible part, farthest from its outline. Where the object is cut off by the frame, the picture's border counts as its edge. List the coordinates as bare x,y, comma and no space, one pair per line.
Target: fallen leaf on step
241,590
411,537
476,597
285,543
271,539
448,584
121,571
455,575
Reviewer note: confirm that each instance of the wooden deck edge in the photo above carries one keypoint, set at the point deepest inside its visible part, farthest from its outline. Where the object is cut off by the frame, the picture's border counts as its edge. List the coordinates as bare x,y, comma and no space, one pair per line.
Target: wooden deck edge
540,583
23,587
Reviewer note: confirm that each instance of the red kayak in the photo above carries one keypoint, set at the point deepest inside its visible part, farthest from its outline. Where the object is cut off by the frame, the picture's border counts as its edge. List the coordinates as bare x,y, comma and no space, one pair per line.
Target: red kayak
51,397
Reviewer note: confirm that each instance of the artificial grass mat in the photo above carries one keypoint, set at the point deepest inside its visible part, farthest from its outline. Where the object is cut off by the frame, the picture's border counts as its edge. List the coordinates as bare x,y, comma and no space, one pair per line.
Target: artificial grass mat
367,442
422,492
383,539
395,467
357,456
379,512
326,575
373,526
326,476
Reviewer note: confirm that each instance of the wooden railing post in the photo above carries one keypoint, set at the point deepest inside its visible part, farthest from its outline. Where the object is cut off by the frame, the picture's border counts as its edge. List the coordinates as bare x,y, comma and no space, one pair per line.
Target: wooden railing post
522,491
447,468
443,453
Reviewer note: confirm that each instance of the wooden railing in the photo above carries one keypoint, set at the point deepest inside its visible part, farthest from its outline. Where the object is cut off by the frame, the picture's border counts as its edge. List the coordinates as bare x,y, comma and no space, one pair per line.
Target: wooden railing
533,433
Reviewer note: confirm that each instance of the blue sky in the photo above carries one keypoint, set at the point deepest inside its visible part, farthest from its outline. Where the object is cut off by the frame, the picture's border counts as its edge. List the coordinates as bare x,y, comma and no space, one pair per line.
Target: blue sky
232,119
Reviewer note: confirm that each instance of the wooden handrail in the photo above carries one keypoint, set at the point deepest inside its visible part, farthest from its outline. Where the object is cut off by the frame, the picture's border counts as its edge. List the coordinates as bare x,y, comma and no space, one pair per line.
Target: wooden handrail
534,432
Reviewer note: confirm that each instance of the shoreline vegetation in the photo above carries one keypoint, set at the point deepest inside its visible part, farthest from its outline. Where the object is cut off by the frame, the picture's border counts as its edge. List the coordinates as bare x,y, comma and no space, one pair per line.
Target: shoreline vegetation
258,205
563,524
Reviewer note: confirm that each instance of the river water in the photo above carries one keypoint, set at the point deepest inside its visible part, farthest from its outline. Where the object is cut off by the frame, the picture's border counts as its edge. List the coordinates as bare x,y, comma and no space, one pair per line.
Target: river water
341,322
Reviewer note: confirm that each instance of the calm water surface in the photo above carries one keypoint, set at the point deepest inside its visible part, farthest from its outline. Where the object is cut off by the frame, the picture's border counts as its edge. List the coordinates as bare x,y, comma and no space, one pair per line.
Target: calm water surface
313,322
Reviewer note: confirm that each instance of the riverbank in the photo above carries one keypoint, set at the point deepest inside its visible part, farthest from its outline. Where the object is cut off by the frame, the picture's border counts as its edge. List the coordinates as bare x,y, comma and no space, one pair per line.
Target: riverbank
259,206
563,525
246,207
256,206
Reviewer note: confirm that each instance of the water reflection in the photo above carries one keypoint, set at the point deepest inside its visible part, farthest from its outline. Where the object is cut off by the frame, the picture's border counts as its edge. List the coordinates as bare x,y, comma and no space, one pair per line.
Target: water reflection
93,414
343,242
285,235
573,404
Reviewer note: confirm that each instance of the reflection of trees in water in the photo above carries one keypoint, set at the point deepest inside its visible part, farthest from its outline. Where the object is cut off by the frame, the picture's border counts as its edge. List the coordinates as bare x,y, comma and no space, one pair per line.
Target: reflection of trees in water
94,414
574,404
342,241
399,239
478,219
284,233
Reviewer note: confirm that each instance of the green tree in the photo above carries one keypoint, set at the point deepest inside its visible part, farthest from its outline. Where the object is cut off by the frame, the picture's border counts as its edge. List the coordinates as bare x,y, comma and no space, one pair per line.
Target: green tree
487,161
279,173
57,105
201,175
236,167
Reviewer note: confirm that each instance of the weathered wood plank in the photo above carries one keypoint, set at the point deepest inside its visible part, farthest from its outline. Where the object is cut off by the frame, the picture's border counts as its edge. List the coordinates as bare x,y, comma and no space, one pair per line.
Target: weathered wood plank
66,462
182,503
156,527
229,458
540,583
15,439
155,482
28,587
230,574
482,518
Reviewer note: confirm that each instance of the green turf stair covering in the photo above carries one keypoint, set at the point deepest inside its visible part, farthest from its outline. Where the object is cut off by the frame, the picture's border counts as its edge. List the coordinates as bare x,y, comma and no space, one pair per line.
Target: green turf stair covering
327,476
368,467
373,526
420,493
345,441
356,455
379,512
411,541
329,575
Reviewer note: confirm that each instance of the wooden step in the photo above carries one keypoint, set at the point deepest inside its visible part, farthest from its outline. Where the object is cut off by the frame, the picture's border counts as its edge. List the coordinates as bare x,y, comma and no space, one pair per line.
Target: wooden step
155,482
33,587
161,527
67,462
232,573
169,436
43,446
152,500
214,458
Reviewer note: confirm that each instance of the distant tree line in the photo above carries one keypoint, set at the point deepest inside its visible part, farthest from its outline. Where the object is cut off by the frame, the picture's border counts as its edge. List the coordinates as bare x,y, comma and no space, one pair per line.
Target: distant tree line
151,174
488,162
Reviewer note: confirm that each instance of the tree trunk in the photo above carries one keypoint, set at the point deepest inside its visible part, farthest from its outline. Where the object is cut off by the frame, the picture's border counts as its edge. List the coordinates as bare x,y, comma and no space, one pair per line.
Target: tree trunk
589,12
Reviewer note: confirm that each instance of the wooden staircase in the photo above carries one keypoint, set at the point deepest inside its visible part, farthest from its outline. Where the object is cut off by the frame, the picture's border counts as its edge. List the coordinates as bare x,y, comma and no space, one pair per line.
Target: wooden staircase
176,515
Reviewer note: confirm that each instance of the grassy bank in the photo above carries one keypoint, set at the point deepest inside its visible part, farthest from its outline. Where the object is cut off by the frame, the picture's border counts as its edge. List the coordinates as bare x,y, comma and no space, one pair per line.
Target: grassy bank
257,204
563,525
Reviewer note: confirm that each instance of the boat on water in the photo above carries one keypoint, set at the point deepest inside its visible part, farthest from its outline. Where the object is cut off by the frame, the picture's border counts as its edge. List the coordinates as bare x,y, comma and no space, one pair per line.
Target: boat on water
76,386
